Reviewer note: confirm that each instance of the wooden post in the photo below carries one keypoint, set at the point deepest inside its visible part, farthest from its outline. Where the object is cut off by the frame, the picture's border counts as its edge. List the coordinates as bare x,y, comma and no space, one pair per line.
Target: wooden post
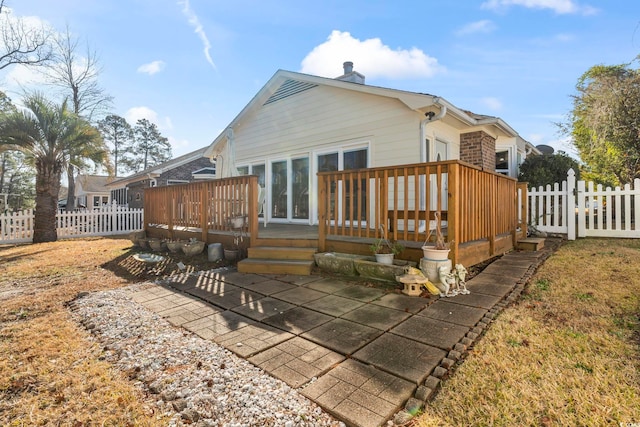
322,212
253,209
453,211
204,201
522,204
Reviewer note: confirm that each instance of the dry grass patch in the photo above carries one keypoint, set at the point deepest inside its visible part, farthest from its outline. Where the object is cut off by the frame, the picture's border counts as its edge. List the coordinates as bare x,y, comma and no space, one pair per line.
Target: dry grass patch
51,373
566,354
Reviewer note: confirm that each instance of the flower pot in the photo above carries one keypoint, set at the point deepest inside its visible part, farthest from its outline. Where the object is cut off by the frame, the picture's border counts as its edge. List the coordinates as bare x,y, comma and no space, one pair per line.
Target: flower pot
175,247
157,245
192,248
231,254
143,243
433,254
384,258
236,222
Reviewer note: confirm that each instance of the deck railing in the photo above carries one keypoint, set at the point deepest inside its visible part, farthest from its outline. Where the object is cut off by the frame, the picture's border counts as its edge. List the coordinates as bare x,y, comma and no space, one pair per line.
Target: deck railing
404,202
206,205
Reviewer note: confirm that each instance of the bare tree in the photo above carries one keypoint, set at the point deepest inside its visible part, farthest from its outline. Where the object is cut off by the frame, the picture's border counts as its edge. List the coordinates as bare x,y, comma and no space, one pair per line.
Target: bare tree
22,44
77,76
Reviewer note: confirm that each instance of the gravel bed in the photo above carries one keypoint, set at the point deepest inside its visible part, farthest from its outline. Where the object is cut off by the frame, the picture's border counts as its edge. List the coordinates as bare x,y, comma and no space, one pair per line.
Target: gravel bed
193,381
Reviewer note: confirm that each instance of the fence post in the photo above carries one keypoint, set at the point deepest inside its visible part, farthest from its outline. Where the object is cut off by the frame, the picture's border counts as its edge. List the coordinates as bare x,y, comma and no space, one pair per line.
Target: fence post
322,212
523,207
571,203
203,211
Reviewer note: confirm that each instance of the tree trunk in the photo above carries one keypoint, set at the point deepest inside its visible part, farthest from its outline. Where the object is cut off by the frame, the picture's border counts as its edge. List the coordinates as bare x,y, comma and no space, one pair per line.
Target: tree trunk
71,194
48,175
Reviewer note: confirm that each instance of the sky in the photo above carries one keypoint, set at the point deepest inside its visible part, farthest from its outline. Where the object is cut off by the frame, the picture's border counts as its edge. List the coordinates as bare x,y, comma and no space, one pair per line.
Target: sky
190,66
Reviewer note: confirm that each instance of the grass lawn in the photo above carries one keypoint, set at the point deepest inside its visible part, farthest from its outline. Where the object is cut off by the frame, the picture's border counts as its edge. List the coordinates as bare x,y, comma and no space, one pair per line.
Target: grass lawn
566,354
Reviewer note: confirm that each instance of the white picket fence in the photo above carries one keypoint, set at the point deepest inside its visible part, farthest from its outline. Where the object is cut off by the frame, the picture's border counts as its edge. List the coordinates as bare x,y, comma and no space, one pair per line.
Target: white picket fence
17,227
580,209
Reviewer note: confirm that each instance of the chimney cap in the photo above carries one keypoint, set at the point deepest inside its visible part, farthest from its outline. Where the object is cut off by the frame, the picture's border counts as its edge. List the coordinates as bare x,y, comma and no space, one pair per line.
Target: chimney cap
348,67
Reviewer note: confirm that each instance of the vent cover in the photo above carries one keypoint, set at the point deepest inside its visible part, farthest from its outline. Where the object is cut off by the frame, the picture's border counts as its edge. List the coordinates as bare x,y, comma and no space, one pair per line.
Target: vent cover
289,88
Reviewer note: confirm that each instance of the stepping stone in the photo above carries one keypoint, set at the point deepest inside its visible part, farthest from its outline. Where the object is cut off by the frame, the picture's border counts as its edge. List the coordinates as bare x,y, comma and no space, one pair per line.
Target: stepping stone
296,361
402,357
242,279
270,287
228,298
402,302
342,336
435,333
296,279
328,285
455,313
297,320
251,339
487,285
210,327
334,305
376,316
360,293
260,309
359,394
188,312
476,299
299,295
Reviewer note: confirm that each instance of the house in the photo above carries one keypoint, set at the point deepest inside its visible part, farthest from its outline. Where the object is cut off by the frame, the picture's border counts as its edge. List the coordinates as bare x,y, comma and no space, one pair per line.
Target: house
181,170
91,191
298,125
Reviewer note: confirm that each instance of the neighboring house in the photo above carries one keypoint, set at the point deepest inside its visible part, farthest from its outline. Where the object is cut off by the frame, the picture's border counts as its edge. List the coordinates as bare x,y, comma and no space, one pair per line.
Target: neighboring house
299,124
92,191
187,168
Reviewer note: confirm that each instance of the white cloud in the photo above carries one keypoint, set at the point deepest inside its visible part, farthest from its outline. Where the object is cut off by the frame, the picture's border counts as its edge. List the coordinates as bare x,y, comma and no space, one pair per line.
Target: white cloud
137,113
558,6
370,57
152,67
484,26
492,103
19,77
194,21
177,144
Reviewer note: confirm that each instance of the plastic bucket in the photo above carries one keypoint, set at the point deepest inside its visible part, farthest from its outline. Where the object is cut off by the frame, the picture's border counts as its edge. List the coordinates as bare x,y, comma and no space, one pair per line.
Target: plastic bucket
215,252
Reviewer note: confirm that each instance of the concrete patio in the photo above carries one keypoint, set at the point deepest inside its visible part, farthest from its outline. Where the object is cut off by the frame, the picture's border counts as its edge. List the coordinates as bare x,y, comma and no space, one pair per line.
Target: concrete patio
360,352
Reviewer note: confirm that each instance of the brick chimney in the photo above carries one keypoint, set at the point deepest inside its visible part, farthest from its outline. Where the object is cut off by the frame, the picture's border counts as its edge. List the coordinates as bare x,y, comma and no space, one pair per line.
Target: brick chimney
479,149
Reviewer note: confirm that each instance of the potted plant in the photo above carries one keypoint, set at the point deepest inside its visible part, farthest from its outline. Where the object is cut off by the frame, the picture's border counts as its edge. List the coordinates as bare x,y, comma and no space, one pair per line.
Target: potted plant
157,244
385,249
175,246
440,249
233,253
192,247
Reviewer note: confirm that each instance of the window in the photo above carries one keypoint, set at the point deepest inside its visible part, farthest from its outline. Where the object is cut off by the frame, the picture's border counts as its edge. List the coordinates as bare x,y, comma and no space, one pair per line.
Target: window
176,181
502,162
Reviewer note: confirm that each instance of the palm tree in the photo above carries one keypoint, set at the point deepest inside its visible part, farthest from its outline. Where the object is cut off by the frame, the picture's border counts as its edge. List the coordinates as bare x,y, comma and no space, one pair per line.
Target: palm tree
50,135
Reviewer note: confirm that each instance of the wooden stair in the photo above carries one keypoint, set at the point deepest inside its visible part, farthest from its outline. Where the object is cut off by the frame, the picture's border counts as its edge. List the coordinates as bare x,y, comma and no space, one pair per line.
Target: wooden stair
278,260
531,244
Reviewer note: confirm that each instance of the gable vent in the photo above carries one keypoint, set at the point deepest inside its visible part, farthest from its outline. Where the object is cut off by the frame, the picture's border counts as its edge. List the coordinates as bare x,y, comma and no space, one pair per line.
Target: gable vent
289,88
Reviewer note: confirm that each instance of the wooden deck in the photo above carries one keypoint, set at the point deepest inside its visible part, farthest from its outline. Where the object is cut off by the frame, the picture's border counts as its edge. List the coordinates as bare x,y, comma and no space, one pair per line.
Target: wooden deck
483,211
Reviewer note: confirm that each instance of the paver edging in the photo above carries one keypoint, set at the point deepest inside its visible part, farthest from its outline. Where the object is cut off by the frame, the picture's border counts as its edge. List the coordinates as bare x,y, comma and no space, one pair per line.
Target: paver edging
430,387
